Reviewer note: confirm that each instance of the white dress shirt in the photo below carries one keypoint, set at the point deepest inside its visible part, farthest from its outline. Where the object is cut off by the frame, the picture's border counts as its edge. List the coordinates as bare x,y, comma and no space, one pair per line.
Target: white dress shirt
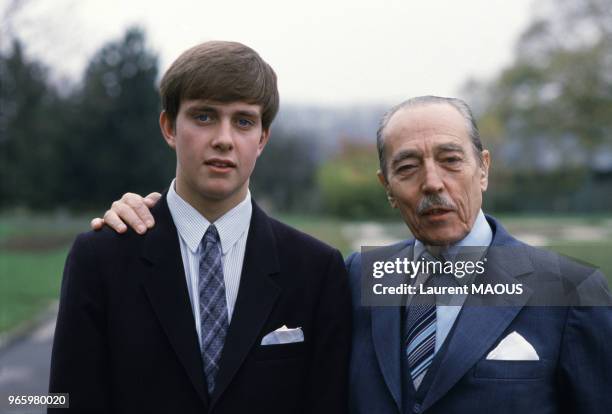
233,228
480,236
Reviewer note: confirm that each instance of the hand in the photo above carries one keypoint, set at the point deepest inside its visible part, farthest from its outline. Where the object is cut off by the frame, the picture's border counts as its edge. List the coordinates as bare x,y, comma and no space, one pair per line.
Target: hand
132,210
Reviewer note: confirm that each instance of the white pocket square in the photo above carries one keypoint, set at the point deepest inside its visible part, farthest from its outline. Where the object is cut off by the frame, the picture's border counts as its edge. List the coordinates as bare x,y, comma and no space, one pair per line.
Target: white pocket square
514,348
283,335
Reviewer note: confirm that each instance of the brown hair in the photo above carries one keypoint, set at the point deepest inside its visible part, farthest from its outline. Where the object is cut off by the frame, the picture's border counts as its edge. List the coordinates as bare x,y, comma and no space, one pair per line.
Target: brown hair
223,72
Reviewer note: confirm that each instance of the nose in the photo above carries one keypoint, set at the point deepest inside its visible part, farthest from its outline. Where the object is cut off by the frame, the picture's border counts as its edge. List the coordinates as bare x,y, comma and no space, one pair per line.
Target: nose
223,140
432,182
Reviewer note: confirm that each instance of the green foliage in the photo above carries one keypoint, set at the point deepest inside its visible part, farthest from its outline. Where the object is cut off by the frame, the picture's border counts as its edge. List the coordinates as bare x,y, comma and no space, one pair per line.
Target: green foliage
547,115
349,186
556,191
29,130
87,147
116,144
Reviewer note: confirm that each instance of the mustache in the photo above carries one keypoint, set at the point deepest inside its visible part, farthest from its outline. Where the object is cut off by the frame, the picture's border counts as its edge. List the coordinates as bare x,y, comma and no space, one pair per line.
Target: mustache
434,201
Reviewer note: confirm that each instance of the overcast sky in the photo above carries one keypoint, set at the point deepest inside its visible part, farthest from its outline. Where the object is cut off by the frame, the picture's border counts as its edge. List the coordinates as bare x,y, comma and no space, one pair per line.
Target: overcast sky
323,51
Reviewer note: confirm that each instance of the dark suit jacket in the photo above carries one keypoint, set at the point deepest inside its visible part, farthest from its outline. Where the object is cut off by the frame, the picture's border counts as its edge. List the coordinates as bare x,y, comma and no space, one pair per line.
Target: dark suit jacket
125,340
573,375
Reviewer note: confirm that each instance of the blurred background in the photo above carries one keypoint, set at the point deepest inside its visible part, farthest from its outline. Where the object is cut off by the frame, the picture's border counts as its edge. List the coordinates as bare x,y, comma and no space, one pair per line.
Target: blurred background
79,110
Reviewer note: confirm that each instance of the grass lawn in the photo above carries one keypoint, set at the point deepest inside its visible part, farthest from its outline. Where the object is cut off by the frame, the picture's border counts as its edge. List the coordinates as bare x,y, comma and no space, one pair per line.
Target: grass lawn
30,281
33,250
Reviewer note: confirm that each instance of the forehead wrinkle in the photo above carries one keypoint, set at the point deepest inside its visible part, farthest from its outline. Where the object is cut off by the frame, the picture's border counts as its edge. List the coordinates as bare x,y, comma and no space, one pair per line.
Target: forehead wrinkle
449,147
419,144
429,120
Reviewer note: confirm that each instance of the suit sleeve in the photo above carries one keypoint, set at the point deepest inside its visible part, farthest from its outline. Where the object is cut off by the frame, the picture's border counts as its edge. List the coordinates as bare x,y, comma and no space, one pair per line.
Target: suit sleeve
586,360
331,350
79,360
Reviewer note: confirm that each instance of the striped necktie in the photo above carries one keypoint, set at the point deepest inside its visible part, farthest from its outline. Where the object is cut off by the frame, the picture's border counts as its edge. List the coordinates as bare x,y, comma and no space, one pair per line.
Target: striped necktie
213,305
420,333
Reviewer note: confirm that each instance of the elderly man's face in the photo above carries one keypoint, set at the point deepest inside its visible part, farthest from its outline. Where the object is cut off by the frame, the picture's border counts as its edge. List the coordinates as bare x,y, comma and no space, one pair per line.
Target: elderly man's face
433,174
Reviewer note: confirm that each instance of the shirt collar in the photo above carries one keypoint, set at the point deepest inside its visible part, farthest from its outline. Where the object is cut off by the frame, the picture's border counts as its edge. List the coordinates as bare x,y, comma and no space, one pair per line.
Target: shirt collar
192,226
480,236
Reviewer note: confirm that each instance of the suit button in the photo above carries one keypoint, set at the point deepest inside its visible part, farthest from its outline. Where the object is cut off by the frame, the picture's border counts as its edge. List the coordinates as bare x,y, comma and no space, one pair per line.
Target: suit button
417,408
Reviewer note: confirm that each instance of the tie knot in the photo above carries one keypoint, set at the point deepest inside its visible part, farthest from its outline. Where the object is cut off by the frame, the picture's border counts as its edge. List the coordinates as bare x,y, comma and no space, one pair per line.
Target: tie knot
211,235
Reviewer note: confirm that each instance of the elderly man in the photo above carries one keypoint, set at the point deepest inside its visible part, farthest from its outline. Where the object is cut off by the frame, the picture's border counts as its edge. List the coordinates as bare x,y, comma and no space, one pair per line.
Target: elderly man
429,358
504,359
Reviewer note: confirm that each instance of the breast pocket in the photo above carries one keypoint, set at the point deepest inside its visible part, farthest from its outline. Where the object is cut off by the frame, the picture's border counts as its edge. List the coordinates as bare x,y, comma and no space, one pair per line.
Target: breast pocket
280,351
512,370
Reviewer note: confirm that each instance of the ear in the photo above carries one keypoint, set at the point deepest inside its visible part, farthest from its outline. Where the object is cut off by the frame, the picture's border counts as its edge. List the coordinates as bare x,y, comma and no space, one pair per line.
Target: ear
263,140
167,129
484,170
383,181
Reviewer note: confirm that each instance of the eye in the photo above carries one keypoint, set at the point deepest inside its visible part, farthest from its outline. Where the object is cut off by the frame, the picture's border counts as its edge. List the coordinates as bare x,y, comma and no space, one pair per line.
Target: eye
452,160
245,123
406,168
203,118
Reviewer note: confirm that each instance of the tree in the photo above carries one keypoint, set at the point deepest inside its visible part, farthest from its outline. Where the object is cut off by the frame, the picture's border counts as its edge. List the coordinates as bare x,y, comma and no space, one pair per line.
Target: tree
349,186
115,140
548,113
30,130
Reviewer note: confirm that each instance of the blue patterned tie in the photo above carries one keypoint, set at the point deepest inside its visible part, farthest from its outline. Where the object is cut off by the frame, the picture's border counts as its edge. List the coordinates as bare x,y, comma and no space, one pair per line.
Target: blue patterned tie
421,340
213,305
420,333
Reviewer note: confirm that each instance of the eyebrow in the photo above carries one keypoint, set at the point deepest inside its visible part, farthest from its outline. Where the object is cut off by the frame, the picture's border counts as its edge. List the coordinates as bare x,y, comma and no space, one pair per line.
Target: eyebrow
212,109
201,108
251,114
410,153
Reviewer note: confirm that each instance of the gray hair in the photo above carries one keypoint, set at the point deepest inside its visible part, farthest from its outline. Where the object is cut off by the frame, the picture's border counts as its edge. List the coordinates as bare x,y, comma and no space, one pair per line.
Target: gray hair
456,103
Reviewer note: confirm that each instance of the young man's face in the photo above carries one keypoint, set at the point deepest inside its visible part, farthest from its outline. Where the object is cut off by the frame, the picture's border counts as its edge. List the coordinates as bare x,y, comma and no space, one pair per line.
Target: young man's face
216,146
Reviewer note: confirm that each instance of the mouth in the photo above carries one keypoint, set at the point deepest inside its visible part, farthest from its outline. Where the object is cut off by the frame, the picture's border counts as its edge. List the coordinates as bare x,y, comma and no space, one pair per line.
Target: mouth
437,212
220,164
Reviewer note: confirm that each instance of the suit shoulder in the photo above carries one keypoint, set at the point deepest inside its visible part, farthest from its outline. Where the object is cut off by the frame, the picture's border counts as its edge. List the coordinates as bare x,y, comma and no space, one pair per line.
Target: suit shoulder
544,259
354,260
105,240
379,252
584,277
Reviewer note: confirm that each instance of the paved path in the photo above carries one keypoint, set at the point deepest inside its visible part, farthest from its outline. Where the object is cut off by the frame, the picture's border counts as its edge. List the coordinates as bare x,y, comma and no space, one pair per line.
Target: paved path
24,367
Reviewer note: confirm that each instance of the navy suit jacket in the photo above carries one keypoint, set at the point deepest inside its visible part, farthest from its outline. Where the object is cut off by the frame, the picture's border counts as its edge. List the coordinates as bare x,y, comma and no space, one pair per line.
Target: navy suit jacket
126,342
573,374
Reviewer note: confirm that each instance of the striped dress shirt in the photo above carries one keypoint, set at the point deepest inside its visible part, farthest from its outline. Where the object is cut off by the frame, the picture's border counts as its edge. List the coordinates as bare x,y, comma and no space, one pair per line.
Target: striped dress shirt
233,228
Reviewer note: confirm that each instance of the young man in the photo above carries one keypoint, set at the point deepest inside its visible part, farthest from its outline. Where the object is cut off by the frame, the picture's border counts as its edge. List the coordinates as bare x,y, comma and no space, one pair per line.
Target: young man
218,308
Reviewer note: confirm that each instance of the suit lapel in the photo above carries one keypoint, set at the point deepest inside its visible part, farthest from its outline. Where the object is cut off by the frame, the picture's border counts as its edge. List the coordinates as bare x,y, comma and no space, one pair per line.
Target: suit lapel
477,328
256,298
167,291
386,323
386,336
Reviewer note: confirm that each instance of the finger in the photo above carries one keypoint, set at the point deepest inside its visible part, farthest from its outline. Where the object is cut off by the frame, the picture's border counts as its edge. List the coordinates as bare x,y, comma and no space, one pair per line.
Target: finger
129,216
137,204
150,200
96,223
120,216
